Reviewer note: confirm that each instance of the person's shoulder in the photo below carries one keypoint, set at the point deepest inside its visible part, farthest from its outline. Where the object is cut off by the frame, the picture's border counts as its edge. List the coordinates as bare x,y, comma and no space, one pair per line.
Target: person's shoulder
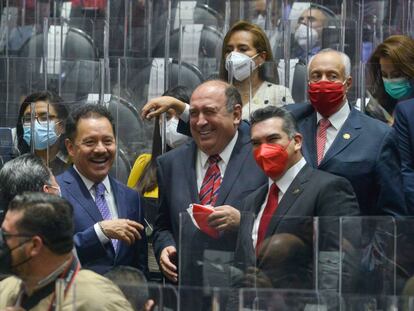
370,124
92,289
405,106
181,152
9,283
327,179
9,289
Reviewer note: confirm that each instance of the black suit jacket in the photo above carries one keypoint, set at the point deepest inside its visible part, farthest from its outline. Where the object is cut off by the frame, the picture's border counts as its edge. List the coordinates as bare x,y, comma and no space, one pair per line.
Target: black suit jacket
312,193
178,186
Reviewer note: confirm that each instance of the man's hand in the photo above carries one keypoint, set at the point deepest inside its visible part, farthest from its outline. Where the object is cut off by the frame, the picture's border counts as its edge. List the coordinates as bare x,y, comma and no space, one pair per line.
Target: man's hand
122,229
168,268
224,218
158,105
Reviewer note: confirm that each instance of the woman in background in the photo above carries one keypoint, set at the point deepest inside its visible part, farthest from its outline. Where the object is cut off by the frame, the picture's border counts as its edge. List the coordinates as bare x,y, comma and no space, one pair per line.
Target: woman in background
245,51
391,74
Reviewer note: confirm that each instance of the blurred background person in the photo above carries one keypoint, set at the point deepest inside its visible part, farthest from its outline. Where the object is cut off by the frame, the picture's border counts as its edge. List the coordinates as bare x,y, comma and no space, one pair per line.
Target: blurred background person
49,126
245,51
390,76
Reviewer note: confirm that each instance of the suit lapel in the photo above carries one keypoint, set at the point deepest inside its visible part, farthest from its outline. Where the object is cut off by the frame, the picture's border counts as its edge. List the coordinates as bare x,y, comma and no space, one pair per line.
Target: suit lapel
289,198
190,171
308,130
81,194
348,133
236,161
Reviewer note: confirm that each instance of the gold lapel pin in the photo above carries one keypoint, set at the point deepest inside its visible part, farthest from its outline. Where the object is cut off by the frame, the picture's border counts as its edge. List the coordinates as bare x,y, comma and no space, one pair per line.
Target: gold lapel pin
346,136
296,191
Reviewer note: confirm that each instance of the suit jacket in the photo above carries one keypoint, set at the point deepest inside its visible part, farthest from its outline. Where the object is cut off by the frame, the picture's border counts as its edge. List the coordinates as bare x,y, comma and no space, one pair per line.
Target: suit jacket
92,254
365,152
404,126
312,193
177,184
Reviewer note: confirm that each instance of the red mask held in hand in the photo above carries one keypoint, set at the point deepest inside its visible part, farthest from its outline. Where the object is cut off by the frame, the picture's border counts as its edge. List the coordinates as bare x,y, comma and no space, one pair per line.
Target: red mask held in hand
272,159
326,96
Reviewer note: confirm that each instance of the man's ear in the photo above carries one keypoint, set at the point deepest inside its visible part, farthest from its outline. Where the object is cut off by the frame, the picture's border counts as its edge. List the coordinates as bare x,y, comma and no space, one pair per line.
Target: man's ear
36,246
237,114
348,83
69,147
298,141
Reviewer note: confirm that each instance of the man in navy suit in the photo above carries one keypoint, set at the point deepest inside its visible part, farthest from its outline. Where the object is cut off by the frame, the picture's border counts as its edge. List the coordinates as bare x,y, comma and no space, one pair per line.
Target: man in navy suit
215,116
341,140
108,216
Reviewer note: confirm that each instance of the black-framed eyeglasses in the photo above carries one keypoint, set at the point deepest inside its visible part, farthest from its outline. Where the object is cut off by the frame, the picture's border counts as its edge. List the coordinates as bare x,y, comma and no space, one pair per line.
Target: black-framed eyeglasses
27,119
5,235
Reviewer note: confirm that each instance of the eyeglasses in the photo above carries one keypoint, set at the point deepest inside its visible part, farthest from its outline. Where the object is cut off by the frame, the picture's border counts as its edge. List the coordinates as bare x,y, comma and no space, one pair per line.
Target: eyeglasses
5,235
27,119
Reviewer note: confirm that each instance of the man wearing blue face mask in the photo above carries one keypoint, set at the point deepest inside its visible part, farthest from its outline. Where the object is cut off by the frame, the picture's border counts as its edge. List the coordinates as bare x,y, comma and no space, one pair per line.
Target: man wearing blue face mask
39,129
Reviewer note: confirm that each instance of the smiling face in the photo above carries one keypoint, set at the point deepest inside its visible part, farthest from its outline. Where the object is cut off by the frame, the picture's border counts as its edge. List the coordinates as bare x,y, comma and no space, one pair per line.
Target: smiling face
212,126
93,147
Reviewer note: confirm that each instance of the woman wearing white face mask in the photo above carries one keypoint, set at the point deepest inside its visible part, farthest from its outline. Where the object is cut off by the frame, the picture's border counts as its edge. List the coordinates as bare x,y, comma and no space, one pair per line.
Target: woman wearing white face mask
245,51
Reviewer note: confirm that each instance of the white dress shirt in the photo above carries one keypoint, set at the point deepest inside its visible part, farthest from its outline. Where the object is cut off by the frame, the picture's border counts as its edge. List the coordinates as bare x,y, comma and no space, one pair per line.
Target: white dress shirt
202,161
283,184
337,121
110,201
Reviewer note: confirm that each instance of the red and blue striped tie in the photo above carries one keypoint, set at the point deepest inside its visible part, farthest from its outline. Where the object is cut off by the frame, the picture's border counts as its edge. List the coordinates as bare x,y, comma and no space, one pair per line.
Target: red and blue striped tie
211,183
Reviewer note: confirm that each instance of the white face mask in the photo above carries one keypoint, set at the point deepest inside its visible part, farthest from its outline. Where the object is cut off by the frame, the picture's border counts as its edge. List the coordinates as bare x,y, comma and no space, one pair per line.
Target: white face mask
239,64
260,21
172,137
306,37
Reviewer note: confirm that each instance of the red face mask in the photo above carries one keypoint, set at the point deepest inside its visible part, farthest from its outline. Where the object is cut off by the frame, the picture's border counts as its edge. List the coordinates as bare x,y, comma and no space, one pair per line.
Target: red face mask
272,159
326,96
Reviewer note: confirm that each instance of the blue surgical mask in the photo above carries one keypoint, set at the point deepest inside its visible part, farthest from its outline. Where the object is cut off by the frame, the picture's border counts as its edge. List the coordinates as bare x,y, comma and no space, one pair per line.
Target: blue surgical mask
43,136
398,88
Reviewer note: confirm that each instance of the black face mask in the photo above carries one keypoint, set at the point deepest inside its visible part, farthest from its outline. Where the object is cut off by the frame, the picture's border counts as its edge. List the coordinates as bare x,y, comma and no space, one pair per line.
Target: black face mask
6,266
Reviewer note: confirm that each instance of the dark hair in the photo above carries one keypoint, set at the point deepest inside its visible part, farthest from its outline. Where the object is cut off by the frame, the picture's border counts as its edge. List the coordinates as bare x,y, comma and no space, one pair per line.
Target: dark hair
233,97
260,43
47,96
148,179
132,283
25,173
400,50
48,216
86,111
262,114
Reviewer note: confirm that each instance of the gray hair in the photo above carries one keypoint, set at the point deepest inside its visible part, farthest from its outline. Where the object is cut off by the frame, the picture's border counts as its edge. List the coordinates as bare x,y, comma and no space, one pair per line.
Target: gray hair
345,60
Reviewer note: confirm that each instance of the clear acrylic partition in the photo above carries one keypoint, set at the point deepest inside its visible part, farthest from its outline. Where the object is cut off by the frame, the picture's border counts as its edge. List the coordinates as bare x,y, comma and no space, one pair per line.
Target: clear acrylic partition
366,303
287,300
209,258
368,255
404,256
199,298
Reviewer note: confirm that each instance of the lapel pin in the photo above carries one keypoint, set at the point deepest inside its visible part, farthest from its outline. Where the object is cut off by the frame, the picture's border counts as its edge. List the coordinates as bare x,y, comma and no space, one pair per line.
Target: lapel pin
346,136
296,191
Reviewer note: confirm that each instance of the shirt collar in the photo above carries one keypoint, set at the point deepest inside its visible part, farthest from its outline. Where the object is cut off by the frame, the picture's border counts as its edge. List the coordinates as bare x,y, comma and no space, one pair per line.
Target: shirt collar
284,182
89,183
224,155
338,118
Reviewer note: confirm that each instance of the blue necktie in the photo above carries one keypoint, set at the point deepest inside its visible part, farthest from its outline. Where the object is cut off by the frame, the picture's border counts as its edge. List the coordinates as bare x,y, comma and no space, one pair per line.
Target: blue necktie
103,206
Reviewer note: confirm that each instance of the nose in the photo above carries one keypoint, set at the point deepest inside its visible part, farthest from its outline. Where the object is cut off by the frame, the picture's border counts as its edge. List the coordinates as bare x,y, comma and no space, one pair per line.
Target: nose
100,147
201,121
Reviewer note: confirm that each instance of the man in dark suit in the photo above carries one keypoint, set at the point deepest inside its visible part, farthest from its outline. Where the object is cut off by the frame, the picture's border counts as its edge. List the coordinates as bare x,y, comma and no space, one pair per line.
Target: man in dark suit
284,207
108,216
215,115
341,140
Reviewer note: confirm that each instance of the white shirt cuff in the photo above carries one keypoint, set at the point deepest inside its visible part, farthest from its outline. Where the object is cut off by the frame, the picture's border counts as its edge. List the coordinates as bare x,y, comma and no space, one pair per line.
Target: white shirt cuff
101,236
185,116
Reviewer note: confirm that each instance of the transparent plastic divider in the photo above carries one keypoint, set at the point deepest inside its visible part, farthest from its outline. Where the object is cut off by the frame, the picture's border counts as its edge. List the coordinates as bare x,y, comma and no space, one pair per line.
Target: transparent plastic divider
208,258
368,249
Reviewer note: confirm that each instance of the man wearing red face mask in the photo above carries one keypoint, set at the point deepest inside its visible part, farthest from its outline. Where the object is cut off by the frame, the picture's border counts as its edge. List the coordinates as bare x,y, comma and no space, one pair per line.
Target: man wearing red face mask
341,140
294,194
